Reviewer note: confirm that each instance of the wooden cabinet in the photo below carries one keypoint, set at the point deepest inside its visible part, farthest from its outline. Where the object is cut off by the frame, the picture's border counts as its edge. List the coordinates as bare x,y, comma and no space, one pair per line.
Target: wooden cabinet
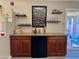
61,46
20,45
57,45
51,47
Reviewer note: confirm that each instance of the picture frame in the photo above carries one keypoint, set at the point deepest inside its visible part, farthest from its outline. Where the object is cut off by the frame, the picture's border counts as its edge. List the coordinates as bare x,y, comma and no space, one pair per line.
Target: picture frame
39,15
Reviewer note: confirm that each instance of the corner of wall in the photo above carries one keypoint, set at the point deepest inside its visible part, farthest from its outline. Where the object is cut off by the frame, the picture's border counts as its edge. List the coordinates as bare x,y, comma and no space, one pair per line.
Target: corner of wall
9,57
5,57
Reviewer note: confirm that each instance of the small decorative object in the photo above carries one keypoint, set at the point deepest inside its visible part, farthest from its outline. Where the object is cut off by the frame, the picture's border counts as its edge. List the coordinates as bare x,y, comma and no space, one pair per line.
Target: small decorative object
12,3
17,30
35,31
55,11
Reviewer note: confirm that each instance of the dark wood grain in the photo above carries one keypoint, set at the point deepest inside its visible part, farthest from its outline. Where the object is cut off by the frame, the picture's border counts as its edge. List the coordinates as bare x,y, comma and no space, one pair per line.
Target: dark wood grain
20,46
57,45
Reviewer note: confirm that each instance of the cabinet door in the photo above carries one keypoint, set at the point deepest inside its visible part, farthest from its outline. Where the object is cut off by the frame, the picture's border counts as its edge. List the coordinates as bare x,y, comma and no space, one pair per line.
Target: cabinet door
61,47
20,46
16,47
26,47
51,47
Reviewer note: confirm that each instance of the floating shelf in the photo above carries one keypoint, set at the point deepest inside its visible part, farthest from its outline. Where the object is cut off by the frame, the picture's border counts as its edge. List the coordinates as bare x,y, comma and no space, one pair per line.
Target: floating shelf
24,25
53,21
55,11
18,15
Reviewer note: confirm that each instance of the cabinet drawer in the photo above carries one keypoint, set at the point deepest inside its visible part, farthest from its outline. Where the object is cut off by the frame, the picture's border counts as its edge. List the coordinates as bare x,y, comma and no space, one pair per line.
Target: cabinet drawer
28,37
52,41
62,40
20,37
56,37
61,54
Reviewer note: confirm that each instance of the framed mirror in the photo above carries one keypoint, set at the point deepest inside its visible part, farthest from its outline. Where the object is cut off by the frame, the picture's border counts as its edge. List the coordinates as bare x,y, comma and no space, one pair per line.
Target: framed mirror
39,14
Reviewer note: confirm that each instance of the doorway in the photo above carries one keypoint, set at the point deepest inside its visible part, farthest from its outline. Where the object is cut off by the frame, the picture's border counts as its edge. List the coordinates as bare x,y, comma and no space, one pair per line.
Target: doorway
72,29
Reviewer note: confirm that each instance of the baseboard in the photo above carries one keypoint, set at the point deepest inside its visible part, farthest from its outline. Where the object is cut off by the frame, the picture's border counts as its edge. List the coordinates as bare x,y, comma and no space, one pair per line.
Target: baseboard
73,49
5,57
9,57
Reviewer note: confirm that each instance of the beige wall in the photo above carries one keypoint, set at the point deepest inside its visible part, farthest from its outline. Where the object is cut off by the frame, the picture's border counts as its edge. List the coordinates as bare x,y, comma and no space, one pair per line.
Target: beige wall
7,28
0,19
24,6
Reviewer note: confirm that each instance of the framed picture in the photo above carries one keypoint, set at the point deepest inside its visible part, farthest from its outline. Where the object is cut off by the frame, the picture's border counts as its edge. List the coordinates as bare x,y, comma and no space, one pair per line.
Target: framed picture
39,14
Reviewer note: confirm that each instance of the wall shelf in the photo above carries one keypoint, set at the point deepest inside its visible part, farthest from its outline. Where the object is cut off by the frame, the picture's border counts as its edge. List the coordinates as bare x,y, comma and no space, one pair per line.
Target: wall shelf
23,25
53,21
19,15
55,11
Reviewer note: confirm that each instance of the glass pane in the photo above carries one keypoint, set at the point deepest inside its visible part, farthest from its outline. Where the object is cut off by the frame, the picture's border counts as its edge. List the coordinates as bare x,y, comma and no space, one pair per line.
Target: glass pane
75,34
68,28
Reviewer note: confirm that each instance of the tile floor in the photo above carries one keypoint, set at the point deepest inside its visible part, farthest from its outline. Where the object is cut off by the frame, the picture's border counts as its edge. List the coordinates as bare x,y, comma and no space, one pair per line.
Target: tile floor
70,55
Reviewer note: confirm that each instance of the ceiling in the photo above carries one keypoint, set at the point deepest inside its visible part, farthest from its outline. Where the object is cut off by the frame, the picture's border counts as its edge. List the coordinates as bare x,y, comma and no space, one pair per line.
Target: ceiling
56,0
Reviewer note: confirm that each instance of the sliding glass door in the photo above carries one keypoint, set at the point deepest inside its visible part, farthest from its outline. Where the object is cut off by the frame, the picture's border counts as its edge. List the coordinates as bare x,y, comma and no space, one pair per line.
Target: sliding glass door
75,33
72,27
